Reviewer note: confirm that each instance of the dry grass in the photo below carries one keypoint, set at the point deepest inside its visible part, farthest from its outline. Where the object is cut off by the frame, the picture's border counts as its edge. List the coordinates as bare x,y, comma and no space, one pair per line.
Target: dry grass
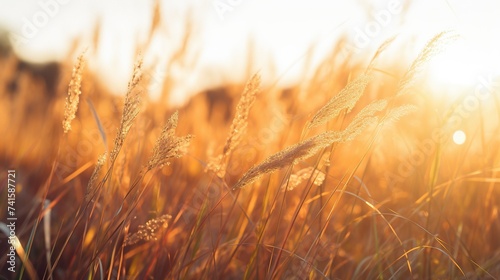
168,145
303,175
435,46
326,193
149,231
345,99
131,109
238,127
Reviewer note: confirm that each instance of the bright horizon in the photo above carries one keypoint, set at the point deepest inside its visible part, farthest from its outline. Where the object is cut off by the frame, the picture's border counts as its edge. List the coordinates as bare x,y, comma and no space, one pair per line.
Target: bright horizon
281,32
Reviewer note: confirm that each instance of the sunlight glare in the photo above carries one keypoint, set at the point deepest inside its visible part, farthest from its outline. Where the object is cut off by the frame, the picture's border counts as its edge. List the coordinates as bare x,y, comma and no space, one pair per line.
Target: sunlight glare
455,66
459,137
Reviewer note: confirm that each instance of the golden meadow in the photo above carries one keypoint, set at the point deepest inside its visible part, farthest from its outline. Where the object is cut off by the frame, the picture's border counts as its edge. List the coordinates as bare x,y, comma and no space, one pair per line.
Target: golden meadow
350,174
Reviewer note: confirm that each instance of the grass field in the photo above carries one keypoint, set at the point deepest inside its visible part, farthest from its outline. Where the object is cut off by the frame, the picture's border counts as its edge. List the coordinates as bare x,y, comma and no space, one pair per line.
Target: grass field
351,174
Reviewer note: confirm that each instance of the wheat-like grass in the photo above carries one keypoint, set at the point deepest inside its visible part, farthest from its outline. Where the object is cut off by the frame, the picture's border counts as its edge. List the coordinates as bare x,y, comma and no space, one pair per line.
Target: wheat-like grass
307,148
364,119
168,145
238,127
397,113
302,175
148,231
355,129
130,110
435,46
240,121
345,99
74,91
217,165
291,155
379,51
91,186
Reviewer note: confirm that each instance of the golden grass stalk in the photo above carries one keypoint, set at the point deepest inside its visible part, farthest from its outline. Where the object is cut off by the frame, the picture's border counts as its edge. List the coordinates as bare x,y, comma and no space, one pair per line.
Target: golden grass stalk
74,91
291,155
238,127
307,148
346,99
371,109
364,118
130,111
216,164
379,51
355,128
435,46
168,145
397,113
148,231
240,121
91,186
156,19
302,175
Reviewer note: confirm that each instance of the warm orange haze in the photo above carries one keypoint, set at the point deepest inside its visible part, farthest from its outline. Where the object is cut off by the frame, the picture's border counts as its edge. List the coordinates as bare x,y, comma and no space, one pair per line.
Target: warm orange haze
249,140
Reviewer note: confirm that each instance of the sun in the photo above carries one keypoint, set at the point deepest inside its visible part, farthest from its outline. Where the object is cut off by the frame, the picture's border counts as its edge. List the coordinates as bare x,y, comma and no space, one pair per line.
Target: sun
459,67
456,66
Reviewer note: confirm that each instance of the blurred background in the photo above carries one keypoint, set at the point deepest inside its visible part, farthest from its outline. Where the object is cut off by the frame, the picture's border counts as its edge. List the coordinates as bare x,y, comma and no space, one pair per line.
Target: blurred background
223,40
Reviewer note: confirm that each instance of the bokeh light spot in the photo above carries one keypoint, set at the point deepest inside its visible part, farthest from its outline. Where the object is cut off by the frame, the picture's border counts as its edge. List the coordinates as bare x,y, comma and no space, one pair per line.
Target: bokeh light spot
459,137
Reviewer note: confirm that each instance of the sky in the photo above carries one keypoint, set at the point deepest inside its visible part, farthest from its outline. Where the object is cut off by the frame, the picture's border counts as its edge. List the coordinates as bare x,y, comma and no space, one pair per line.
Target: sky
281,34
